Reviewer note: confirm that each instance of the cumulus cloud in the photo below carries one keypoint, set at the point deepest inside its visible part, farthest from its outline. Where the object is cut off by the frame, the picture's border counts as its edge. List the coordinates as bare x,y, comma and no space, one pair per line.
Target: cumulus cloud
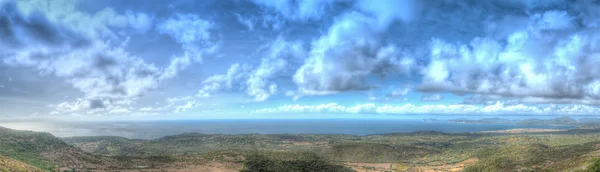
275,62
140,22
221,82
87,106
101,69
352,50
527,55
257,80
35,30
195,36
355,47
105,23
397,93
185,107
371,108
551,58
187,29
388,11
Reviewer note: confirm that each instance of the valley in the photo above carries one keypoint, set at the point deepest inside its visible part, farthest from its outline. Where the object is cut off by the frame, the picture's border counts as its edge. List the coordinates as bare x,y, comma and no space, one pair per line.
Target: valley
526,150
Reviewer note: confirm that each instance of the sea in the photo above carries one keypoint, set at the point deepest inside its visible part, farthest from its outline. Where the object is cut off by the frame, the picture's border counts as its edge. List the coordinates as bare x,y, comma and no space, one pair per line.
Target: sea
160,128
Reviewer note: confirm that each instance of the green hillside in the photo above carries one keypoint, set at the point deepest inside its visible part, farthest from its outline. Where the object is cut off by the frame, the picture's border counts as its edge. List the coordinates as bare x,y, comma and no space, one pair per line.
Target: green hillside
9,164
571,150
45,151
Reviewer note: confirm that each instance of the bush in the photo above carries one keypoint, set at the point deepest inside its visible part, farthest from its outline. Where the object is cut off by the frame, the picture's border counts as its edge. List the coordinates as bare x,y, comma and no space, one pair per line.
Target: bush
308,162
595,167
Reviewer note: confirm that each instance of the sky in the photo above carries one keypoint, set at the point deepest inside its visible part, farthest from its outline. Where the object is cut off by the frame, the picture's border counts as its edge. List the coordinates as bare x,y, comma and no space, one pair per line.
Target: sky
187,59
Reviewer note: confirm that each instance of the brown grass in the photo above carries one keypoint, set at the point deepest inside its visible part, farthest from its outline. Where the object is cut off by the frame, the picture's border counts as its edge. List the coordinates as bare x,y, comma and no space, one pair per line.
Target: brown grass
16,166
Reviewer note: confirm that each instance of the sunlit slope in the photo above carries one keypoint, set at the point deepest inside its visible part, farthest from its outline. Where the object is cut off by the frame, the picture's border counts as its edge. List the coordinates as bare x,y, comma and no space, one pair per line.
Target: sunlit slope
418,151
44,151
9,164
572,150
522,156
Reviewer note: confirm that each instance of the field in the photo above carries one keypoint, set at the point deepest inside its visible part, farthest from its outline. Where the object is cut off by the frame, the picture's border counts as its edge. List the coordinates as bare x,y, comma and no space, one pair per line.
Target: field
525,150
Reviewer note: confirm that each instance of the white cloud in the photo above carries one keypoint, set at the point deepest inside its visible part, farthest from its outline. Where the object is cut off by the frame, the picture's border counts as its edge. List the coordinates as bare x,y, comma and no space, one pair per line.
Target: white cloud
101,24
178,99
194,35
141,22
331,107
70,107
433,97
97,107
371,108
185,107
24,31
353,49
545,60
101,69
221,82
257,81
147,109
397,93
248,22
515,52
119,110
276,61
187,29
388,11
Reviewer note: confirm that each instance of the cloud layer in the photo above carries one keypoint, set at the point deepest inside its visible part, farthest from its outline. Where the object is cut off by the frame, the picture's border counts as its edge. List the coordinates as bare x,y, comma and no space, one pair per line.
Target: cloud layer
550,57
449,57
436,109
101,68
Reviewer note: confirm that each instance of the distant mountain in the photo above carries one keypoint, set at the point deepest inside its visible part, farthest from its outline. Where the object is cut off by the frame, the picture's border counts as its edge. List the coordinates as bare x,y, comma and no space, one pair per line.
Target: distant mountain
589,120
484,121
107,145
555,121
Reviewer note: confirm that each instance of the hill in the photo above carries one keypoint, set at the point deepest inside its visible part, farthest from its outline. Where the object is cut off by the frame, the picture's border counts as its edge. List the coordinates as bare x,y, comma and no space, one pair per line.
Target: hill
47,152
9,164
415,151
566,121
567,150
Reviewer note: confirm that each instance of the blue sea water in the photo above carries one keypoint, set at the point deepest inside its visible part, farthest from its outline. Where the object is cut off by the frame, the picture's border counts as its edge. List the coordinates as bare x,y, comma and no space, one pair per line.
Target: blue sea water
157,129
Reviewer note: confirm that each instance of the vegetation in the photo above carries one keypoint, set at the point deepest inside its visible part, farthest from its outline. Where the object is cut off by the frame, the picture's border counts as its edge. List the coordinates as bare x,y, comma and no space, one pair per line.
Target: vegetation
46,152
304,162
555,121
7,164
595,167
28,146
571,150
527,157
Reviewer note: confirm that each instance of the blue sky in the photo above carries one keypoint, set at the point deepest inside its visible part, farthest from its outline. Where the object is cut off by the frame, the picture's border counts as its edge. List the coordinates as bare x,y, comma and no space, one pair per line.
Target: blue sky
182,59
